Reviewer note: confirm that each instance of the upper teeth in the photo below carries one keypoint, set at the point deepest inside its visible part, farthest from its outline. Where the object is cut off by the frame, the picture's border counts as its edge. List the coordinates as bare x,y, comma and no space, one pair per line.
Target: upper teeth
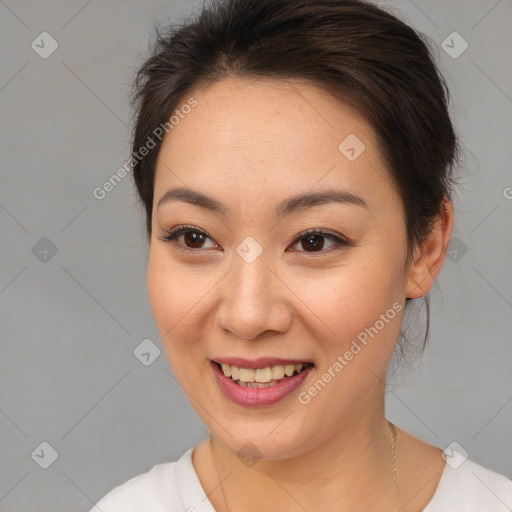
261,374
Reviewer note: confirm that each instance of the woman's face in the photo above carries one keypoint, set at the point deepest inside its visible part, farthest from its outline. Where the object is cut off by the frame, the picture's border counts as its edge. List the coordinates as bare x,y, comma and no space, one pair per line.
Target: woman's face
258,291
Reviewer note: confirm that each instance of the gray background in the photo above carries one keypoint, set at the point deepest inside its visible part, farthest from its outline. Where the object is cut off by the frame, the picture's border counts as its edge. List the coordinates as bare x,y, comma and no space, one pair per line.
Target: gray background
70,323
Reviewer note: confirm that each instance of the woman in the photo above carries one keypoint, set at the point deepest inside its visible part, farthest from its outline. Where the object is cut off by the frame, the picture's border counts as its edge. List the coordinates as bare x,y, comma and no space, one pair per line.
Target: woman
295,160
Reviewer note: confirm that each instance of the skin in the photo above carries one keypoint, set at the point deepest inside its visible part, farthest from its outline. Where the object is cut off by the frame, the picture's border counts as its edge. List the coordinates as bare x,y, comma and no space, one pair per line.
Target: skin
250,144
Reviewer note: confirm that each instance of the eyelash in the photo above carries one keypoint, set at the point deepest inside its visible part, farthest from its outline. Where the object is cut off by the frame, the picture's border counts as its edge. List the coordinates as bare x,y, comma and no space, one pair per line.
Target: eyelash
172,235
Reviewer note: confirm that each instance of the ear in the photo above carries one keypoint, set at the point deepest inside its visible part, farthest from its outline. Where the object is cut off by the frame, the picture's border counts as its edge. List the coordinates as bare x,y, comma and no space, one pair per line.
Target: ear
429,258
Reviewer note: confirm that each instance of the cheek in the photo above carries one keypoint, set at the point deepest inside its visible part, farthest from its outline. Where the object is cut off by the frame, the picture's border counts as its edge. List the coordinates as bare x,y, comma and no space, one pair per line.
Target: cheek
349,301
362,309
175,295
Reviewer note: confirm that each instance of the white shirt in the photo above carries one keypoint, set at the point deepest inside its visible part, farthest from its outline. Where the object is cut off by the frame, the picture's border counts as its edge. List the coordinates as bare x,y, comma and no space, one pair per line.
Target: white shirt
175,487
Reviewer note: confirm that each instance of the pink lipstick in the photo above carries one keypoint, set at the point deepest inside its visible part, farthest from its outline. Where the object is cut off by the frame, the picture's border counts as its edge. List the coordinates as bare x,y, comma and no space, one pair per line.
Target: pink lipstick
241,388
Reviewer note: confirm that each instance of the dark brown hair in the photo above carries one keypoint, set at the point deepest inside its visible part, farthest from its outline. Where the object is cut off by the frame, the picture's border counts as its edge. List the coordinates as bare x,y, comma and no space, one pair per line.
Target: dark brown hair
351,48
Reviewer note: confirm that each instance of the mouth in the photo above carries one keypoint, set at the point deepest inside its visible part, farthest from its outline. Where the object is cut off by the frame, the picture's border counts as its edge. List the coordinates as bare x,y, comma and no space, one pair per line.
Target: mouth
259,383
262,377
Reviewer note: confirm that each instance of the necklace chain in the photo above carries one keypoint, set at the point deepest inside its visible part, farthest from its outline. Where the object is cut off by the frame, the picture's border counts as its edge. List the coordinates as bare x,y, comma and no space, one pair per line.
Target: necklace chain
392,436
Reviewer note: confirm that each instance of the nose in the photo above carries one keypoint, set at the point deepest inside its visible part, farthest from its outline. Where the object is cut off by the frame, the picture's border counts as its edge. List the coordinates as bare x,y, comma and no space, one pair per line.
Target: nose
254,301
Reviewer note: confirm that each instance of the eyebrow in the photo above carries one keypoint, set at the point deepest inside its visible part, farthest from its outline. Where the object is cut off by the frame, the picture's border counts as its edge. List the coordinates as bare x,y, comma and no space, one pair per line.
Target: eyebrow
287,207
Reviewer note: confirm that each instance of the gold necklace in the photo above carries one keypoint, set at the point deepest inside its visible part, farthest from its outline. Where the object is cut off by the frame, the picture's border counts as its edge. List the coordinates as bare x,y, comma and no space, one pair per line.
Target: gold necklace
392,437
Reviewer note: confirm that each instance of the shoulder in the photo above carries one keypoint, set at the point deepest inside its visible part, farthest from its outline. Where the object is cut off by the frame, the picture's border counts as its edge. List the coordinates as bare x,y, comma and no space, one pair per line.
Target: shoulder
466,486
156,490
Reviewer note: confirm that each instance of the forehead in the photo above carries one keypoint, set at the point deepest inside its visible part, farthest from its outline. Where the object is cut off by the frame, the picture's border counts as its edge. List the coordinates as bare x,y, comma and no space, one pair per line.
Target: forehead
264,135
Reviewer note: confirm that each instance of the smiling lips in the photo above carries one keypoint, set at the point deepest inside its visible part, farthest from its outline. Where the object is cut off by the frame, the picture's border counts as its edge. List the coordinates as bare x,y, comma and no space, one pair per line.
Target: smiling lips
261,377
261,382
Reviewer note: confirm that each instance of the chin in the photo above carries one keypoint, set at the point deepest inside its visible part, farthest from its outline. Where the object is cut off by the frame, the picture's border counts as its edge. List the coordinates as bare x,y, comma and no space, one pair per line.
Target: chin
270,434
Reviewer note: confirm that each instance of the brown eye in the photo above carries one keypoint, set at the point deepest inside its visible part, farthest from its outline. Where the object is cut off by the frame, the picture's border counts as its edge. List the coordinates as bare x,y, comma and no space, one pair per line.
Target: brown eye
193,238
314,241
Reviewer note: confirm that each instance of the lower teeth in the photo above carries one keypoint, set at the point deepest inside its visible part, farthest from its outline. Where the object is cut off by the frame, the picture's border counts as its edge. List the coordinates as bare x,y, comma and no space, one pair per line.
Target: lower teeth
257,384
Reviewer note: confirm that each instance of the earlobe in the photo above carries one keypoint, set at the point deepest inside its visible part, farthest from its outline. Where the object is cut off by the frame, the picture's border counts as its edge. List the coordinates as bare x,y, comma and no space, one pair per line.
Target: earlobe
429,258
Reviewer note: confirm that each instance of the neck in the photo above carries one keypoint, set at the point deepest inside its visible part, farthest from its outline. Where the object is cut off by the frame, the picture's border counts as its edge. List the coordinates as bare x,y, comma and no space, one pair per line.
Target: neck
350,470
